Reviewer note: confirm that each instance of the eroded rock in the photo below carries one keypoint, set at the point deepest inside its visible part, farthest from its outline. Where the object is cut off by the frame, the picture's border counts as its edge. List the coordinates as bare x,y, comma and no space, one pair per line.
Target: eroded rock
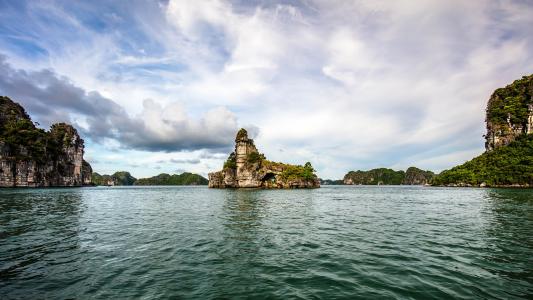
247,168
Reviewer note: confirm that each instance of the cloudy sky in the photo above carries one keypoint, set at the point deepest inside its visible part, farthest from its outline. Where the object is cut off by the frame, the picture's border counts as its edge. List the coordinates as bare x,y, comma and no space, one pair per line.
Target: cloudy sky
163,86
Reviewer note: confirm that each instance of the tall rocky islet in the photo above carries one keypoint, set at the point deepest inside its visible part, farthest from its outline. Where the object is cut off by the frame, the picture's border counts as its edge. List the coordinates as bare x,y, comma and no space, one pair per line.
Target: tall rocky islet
509,113
32,157
508,159
247,168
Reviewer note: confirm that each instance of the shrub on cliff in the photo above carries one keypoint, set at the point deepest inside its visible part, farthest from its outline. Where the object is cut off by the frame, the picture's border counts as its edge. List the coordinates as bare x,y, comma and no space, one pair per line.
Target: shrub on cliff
231,162
510,104
254,157
294,172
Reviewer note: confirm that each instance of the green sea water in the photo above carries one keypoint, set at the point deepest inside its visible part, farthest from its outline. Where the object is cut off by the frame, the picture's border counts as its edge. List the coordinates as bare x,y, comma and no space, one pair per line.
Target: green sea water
339,242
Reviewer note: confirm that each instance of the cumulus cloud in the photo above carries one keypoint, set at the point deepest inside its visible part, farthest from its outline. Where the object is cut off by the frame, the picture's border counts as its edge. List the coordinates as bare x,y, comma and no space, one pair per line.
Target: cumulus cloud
343,84
51,98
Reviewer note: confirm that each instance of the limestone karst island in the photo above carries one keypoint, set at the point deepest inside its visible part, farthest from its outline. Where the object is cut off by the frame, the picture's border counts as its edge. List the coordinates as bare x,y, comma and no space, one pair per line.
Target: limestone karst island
247,168
32,157
508,159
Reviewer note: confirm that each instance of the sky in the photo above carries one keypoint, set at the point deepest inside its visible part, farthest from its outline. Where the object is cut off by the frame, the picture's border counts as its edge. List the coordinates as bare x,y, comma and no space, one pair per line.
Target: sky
163,86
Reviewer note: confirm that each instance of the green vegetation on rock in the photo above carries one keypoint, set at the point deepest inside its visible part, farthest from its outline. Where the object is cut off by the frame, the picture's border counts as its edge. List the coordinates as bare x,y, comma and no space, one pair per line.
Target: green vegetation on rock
231,162
32,157
255,157
504,166
118,178
416,176
123,178
293,172
246,167
511,103
241,134
166,179
375,177
384,176
508,160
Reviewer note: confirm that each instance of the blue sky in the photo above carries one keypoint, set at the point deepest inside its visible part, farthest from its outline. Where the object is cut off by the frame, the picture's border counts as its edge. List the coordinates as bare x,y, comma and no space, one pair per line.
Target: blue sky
163,86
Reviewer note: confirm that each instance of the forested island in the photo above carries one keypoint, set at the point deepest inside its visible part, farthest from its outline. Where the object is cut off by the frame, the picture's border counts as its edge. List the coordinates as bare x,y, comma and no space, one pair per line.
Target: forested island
508,159
185,178
125,178
384,176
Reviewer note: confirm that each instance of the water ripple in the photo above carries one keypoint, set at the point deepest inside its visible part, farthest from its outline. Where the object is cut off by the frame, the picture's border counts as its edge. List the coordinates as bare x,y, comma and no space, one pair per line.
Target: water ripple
334,242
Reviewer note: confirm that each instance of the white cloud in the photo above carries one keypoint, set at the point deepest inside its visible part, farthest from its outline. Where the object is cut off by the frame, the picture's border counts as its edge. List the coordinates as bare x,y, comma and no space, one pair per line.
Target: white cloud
344,84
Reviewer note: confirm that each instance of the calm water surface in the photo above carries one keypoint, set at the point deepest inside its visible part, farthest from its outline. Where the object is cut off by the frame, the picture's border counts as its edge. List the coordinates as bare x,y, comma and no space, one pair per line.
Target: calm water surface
329,243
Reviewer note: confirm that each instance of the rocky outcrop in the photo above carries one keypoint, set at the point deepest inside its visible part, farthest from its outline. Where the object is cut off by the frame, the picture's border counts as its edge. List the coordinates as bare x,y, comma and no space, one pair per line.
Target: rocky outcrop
509,113
416,176
86,173
247,168
32,157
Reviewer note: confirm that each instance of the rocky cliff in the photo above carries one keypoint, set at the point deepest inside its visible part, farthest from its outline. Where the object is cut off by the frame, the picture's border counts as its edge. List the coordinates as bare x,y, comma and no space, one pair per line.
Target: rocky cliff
32,157
508,161
509,113
247,168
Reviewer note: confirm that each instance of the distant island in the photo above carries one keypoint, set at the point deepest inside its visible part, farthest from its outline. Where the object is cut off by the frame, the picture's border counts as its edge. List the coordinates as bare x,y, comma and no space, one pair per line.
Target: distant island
331,181
247,168
125,178
508,159
117,178
33,157
175,179
383,176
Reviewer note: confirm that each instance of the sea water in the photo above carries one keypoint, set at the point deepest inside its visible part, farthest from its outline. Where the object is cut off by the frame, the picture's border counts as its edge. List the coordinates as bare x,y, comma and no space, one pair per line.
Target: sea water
357,242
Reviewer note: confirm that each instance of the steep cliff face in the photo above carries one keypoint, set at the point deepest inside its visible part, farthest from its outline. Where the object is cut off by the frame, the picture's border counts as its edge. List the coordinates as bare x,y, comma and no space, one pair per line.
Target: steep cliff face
32,157
508,160
247,168
509,113
86,173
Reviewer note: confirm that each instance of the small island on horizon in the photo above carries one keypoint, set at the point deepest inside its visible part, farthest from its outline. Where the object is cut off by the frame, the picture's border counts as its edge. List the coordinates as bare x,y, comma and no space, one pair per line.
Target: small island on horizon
247,168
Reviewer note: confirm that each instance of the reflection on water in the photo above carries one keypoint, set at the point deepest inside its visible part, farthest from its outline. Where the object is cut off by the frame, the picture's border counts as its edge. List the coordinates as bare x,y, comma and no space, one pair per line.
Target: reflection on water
333,242
243,211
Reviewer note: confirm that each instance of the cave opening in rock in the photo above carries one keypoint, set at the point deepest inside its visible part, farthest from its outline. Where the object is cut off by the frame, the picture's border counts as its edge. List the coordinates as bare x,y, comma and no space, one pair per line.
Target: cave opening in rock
270,177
